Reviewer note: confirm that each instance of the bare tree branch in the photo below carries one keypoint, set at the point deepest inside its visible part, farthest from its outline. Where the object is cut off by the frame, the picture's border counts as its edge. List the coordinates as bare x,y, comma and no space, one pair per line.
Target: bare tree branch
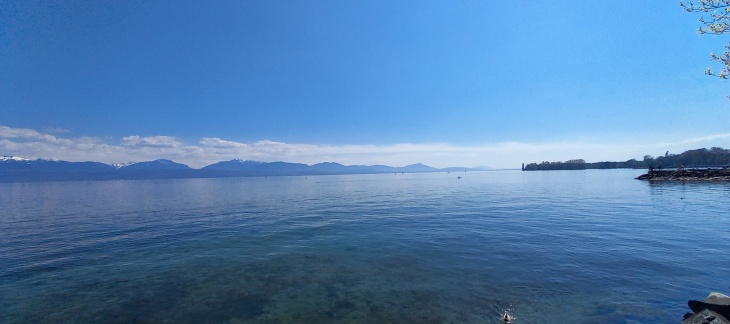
718,23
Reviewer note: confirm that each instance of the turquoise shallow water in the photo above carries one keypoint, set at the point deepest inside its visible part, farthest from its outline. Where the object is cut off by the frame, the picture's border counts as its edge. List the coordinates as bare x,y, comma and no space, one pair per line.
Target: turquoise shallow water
591,246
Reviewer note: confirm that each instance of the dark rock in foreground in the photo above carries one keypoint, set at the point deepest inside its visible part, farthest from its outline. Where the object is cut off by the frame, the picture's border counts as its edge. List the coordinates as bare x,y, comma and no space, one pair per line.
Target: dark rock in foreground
687,175
715,309
705,317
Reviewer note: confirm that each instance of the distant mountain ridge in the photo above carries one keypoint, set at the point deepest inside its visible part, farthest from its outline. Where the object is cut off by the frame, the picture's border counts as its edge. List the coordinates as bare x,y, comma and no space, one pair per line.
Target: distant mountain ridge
156,165
235,164
15,169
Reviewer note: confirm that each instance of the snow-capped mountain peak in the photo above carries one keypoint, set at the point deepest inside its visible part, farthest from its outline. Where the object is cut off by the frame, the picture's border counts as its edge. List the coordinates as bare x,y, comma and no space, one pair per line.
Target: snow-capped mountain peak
21,159
121,165
14,158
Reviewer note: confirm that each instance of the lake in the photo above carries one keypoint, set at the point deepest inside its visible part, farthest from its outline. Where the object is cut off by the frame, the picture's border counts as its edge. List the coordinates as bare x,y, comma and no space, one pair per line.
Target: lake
593,246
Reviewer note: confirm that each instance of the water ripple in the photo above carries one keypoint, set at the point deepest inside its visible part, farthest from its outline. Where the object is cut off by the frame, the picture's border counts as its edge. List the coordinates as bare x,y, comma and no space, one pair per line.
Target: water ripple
573,246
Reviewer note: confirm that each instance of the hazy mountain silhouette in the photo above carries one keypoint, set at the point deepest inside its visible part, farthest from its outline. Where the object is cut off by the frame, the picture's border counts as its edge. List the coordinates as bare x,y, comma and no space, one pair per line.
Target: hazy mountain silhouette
14,169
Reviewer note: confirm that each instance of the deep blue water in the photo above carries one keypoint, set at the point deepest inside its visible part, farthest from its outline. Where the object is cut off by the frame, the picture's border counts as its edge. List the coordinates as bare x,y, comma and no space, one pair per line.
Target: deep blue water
550,247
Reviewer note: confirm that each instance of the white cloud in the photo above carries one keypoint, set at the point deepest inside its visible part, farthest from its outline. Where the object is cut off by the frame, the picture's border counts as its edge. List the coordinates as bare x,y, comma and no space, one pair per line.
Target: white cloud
219,143
33,144
24,133
56,130
154,141
710,138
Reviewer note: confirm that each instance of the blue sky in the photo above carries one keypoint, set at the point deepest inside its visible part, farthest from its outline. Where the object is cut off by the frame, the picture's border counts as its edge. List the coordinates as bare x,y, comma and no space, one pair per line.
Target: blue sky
445,83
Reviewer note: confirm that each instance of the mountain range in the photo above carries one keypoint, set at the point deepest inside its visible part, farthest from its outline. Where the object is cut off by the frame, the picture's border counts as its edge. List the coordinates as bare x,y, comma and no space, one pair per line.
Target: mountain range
15,169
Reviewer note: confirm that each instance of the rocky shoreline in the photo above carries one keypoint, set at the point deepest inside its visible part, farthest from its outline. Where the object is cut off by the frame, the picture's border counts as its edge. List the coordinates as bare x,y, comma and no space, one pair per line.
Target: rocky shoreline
687,175
715,309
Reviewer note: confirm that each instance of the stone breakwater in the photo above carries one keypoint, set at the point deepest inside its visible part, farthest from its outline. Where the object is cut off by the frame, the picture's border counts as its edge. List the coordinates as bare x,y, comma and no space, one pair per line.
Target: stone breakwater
687,175
715,309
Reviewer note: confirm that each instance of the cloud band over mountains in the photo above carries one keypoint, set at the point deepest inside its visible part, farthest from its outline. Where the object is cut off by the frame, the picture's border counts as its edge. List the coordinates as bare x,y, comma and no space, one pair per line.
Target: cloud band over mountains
32,143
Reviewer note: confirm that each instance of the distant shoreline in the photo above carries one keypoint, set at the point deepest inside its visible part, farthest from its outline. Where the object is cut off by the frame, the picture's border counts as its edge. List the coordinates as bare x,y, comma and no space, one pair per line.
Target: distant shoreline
715,157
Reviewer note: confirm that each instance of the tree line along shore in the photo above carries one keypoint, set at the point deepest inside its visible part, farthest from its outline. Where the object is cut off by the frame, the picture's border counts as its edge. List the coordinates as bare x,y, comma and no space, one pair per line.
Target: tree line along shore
713,158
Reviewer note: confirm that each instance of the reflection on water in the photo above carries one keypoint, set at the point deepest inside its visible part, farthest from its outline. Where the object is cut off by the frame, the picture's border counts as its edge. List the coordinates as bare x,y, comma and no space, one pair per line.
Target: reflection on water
576,246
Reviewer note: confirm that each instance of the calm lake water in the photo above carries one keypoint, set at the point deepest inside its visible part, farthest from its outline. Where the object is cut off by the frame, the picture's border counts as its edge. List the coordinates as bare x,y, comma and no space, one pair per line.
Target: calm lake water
591,246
